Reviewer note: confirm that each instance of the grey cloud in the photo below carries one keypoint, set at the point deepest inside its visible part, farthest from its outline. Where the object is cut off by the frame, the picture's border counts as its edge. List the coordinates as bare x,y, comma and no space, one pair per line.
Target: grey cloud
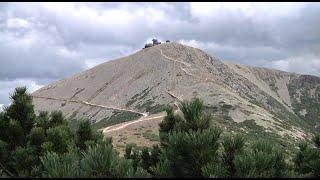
61,40
35,61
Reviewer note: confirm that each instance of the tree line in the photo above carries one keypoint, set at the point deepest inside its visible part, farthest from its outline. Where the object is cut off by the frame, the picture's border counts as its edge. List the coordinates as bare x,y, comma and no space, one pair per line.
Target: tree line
45,146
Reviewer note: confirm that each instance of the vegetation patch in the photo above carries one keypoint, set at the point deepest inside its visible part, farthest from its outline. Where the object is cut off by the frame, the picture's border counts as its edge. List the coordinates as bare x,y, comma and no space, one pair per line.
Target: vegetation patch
150,136
157,108
138,96
253,132
141,75
73,115
227,107
94,115
73,124
302,99
251,124
281,112
227,118
274,87
255,102
211,109
149,108
116,118
76,93
43,146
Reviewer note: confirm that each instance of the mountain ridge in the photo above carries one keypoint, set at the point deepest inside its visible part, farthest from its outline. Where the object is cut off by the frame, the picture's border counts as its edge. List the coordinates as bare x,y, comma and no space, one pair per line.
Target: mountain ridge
147,80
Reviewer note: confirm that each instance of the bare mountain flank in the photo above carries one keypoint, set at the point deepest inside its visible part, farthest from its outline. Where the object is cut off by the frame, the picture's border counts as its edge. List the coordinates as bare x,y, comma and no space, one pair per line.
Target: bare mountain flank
252,100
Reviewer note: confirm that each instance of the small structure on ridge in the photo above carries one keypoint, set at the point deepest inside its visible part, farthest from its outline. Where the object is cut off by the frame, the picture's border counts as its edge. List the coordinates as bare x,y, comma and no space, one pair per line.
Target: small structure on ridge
154,43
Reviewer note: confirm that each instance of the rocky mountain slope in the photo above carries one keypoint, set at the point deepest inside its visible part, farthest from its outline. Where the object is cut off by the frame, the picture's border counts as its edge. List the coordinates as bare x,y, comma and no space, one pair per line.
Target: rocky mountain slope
252,100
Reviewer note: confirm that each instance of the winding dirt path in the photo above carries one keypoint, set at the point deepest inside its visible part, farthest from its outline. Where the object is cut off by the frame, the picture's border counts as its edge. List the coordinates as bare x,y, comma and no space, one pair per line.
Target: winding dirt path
123,125
169,58
144,114
199,78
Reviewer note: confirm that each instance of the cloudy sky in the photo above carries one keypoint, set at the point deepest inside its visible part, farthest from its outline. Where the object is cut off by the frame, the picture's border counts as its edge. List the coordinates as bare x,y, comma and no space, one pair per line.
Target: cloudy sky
44,42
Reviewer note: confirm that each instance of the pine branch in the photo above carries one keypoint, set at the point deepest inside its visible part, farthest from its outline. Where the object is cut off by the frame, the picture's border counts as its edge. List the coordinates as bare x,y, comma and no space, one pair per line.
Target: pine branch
7,171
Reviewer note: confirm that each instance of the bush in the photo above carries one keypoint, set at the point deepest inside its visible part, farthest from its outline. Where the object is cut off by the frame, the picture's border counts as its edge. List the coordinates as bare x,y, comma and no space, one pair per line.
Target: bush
307,160
57,119
84,133
189,147
189,143
103,161
263,160
61,138
36,137
3,151
60,166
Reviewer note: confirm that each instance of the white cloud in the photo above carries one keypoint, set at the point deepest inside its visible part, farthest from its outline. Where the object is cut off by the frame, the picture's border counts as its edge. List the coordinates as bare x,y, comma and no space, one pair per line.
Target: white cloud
67,53
90,63
7,88
1,107
235,53
283,65
307,64
17,23
247,9
209,9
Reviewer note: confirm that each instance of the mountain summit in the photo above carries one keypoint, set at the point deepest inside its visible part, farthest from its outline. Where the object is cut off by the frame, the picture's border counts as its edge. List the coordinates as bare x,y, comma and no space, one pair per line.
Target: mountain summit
242,98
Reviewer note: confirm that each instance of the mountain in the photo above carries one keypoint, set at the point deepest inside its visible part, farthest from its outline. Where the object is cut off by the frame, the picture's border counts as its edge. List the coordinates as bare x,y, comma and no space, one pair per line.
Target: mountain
258,101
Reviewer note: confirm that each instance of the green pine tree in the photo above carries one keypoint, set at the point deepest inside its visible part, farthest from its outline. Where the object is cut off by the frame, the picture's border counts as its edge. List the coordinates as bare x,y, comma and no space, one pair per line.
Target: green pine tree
84,133
189,142
21,117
